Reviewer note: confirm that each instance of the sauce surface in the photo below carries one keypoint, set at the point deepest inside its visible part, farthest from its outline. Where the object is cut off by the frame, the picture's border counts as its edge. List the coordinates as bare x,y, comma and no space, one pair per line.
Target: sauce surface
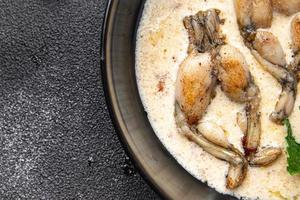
162,43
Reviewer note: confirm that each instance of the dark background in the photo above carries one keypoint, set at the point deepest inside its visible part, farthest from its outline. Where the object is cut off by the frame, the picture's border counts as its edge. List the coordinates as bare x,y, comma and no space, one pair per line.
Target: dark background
56,137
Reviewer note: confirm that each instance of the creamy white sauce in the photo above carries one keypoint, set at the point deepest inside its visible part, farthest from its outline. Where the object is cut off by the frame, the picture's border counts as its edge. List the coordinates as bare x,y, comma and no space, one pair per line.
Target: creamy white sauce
162,44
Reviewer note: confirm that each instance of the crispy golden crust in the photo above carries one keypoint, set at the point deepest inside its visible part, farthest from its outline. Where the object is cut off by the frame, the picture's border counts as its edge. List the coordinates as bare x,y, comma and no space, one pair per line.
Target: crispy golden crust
233,73
194,85
295,31
233,76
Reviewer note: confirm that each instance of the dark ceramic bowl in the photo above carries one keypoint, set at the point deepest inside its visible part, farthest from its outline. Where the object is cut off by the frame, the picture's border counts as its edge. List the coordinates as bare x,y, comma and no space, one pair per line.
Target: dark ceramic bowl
158,167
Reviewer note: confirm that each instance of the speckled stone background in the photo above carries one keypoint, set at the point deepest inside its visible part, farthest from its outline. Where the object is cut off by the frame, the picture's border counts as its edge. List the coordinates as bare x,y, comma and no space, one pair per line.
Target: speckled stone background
56,138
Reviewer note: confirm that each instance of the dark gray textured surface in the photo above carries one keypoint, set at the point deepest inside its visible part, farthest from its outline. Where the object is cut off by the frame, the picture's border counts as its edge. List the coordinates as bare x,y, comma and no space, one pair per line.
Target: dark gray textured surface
56,137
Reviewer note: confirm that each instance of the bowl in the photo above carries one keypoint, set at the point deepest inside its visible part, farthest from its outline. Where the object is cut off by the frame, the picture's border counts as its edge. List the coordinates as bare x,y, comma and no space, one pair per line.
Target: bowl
154,162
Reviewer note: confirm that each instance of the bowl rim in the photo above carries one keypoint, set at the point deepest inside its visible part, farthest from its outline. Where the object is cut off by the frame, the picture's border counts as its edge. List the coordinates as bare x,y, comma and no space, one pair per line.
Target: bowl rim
111,98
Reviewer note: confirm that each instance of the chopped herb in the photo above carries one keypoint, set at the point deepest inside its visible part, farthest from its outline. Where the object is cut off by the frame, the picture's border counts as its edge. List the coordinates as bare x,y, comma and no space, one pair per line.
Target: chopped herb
293,150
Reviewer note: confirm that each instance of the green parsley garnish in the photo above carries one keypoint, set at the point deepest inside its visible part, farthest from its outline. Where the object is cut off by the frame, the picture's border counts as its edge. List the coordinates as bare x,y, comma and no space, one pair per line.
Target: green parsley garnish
293,150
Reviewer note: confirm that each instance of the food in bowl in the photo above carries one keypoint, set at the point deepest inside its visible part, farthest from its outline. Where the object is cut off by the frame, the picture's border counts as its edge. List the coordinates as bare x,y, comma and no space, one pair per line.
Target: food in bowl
218,80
